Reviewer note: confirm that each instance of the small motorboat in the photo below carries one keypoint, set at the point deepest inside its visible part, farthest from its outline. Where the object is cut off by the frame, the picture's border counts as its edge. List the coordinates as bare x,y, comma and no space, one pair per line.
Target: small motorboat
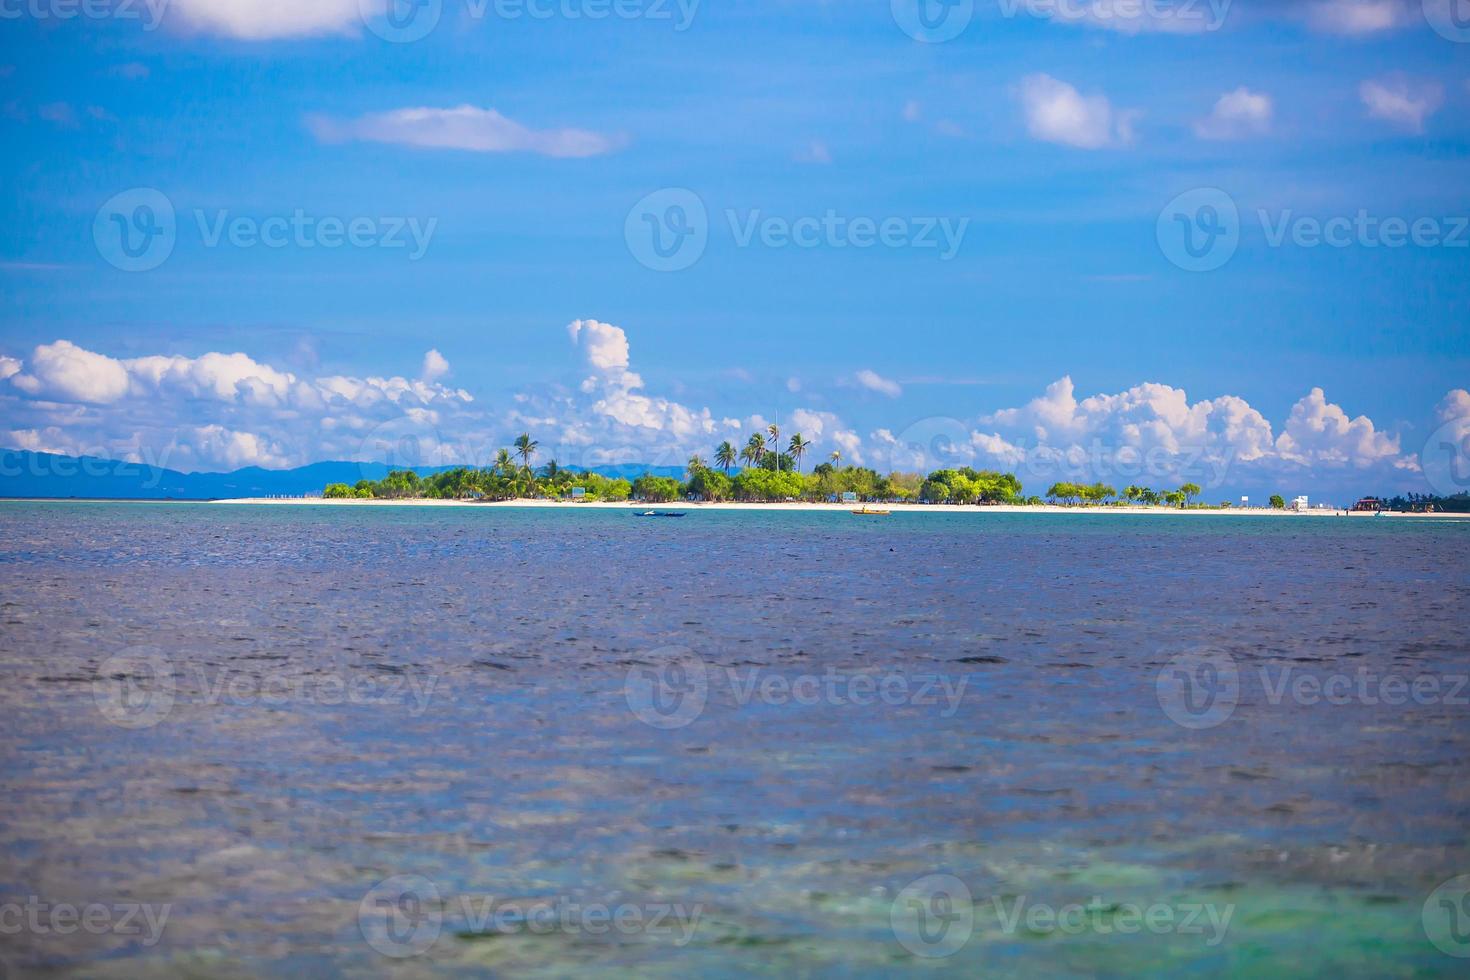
660,513
870,512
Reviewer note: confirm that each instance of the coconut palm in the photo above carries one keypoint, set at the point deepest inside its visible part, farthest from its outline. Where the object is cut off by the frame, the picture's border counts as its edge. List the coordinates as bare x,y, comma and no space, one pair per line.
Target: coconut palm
526,448
797,447
695,464
836,459
503,461
755,450
775,431
725,456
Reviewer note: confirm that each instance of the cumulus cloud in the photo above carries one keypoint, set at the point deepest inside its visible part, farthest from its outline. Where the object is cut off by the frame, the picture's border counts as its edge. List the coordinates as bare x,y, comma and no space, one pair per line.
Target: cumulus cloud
215,411
463,127
1402,101
1237,115
66,372
1057,113
1318,431
435,366
1357,18
260,20
1151,434
873,381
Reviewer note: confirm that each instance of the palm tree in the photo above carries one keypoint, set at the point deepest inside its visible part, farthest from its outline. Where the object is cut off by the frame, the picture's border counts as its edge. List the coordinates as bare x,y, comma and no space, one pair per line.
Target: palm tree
696,463
836,459
775,431
755,450
725,456
797,448
503,461
526,448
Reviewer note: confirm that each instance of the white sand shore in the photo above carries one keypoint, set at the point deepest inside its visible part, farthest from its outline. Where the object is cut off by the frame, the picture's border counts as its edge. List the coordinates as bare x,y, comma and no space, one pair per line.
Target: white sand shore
829,508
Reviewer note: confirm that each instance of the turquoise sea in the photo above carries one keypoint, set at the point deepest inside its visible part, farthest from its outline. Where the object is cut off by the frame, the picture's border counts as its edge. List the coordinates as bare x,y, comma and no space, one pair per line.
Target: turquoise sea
461,741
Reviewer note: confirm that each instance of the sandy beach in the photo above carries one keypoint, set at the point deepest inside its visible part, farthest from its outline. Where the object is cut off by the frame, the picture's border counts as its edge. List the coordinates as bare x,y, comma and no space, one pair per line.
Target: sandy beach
832,508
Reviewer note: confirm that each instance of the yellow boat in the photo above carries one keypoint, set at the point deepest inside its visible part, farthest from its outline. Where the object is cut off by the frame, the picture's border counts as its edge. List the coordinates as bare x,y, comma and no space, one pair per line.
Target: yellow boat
866,512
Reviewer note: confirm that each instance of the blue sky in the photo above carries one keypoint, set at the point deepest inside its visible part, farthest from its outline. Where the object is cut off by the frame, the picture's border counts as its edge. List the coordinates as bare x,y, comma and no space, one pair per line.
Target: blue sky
519,145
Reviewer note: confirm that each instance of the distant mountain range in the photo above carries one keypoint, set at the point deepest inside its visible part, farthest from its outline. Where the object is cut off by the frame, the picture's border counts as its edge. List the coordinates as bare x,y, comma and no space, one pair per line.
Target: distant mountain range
28,474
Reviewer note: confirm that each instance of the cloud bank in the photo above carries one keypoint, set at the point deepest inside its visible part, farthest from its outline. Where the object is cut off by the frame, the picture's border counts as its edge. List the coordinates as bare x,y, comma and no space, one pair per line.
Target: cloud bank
222,410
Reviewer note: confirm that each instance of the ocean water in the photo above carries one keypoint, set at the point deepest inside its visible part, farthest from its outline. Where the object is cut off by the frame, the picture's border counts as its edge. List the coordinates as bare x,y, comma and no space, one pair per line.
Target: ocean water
456,741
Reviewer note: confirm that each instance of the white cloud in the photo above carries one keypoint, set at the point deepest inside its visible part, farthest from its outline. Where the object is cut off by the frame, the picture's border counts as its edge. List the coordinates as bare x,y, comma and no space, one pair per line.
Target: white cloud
463,127
1057,113
1318,431
435,366
815,151
873,381
1237,115
214,411
1357,18
65,372
259,20
1401,101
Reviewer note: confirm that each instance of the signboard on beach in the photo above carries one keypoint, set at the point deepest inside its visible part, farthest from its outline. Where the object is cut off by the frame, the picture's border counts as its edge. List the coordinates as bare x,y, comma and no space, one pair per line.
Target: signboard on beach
578,493
848,497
